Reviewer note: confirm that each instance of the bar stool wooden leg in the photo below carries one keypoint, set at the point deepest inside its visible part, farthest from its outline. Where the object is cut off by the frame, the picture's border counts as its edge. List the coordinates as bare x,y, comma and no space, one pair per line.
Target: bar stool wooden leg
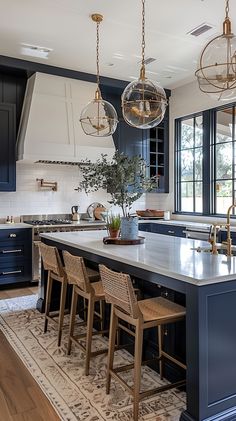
61,311
89,334
85,309
111,347
137,367
74,302
48,300
102,314
160,344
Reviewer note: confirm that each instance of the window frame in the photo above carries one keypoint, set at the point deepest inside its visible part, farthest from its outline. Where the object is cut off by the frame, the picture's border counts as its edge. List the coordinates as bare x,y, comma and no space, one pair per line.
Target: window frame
209,161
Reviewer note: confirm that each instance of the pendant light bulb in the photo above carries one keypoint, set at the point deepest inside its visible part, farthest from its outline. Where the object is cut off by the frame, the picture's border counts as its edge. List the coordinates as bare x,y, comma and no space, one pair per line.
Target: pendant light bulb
99,117
143,101
217,65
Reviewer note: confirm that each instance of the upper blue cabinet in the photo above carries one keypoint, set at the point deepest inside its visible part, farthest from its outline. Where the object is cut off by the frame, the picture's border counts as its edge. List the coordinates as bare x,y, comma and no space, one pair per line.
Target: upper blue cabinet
150,144
12,88
7,144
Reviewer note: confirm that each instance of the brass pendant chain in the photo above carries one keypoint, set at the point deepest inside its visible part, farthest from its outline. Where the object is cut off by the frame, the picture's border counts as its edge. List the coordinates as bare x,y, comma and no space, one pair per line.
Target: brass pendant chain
97,51
227,9
142,71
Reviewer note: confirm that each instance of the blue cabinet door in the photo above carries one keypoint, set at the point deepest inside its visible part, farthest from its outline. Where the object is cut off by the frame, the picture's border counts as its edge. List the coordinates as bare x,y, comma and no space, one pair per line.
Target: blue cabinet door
15,256
7,146
165,229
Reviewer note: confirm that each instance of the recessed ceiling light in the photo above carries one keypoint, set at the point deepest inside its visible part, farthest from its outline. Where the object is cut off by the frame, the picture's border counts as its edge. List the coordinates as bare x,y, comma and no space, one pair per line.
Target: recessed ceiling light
35,51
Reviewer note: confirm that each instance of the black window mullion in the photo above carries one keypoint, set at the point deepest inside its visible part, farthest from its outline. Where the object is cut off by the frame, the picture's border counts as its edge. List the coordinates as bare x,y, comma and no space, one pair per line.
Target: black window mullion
206,167
233,157
194,146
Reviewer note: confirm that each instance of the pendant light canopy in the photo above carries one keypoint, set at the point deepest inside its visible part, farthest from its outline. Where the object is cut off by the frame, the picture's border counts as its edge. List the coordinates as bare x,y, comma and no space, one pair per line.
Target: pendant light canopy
217,67
143,101
99,117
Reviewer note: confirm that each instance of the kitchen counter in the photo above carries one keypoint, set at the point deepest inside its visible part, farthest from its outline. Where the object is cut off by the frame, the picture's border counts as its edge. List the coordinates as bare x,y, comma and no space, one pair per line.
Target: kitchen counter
168,256
17,225
209,286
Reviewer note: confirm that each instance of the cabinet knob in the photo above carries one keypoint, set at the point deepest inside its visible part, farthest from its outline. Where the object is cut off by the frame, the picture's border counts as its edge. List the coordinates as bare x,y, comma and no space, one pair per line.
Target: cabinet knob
12,235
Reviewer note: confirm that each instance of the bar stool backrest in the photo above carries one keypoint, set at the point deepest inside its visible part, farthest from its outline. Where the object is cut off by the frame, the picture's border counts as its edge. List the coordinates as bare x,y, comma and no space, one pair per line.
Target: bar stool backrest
76,271
51,259
119,291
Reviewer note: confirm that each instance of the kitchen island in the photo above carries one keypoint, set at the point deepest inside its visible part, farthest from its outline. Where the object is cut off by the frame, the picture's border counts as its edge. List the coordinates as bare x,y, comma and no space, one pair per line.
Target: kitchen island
209,285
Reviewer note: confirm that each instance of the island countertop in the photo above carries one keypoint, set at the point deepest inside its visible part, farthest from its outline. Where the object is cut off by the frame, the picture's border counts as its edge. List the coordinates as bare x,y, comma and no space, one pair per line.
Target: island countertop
169,256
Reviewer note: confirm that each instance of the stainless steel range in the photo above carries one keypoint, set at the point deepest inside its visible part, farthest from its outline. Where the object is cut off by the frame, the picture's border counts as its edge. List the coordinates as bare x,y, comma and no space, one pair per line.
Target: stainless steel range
53,223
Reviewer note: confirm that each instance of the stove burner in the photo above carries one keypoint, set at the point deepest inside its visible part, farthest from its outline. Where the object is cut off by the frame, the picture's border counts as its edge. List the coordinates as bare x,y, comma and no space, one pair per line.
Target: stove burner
49,222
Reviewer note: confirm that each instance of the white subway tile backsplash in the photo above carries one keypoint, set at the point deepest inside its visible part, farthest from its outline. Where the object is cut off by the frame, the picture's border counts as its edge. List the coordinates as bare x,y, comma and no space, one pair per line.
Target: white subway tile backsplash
30,199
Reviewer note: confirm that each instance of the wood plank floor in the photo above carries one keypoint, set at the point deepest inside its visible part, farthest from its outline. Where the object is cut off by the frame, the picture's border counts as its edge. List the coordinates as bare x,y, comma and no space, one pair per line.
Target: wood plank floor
21,399
17,292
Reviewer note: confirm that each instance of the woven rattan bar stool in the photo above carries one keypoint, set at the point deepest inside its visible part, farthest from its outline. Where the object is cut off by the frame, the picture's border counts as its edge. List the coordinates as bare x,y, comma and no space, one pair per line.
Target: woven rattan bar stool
144,314
78,275
53,264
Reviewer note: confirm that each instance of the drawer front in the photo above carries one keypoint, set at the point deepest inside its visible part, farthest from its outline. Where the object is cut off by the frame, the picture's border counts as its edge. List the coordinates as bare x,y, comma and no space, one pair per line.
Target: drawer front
175,231
14,235
15,272
14,251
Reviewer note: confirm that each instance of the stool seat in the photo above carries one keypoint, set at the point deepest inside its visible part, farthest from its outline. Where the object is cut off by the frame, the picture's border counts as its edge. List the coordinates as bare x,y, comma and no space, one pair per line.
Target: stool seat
160,309
98,289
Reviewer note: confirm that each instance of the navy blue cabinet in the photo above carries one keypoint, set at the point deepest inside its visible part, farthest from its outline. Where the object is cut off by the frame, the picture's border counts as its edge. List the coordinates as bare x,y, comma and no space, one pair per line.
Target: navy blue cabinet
15,255
222,236
7,145
166,229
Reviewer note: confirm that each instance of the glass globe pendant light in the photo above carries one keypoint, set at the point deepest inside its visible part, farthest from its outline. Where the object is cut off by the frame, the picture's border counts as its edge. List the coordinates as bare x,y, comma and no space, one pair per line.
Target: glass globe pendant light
99,117
217,66
143,101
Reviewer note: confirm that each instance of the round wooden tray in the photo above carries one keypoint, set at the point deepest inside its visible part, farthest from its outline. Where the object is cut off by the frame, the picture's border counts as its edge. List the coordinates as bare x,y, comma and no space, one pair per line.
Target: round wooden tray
123,242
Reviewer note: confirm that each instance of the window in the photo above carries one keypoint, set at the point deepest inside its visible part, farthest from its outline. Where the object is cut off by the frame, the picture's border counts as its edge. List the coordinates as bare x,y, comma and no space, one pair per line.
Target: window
206,161
190,168
223,146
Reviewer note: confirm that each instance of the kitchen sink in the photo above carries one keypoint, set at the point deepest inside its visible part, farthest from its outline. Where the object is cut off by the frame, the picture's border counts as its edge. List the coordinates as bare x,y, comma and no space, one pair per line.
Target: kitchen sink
221,248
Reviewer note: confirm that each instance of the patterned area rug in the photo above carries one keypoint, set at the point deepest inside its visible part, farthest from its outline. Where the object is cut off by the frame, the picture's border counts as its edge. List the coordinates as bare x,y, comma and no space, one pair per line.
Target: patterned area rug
74,396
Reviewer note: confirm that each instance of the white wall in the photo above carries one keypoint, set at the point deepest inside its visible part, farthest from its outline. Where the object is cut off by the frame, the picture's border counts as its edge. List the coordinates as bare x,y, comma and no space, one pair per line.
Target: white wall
30,199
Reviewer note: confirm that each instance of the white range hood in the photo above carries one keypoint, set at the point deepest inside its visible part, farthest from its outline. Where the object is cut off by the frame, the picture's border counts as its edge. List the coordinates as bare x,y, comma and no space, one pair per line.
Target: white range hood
50,129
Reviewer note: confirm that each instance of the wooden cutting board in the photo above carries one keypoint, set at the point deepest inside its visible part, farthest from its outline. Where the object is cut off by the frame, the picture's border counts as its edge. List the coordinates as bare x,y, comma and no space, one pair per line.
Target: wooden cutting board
97,212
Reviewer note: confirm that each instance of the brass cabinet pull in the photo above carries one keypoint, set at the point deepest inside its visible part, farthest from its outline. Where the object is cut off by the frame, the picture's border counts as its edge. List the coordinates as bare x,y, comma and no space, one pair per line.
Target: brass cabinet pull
12,272
12,235
10,251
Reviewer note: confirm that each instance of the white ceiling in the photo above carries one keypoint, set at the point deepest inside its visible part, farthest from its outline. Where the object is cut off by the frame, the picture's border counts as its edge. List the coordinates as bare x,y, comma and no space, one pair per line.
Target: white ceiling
65,26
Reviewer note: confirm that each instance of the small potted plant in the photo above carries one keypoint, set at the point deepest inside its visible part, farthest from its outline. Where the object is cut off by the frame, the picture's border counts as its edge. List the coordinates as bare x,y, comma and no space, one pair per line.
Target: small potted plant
113,225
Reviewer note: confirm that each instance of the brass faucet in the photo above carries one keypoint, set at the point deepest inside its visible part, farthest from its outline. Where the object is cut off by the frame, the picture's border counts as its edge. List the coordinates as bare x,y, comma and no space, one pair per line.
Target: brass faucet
212,238
228,241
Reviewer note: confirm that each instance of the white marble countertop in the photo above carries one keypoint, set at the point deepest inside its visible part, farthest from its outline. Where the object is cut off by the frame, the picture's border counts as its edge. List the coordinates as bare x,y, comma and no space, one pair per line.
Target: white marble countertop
168,256
16,225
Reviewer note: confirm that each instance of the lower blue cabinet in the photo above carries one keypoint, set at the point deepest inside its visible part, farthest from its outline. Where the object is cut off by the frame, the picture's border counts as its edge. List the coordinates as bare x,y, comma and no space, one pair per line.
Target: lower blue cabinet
15,256
165,229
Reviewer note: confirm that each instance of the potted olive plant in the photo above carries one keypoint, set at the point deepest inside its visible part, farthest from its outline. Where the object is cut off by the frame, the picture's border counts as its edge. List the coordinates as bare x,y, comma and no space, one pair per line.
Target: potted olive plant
124,178
113,225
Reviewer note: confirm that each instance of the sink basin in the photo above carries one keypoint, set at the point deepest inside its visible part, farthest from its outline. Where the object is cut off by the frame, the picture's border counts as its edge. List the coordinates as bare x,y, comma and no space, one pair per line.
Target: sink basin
221,248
